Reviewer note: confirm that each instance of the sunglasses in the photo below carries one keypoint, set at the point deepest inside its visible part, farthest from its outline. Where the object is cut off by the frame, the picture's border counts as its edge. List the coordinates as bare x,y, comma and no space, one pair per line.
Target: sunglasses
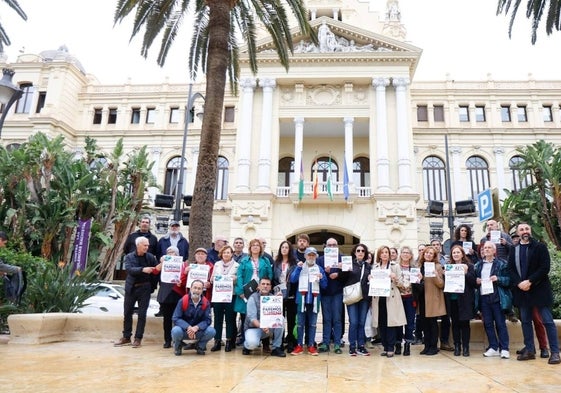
359,250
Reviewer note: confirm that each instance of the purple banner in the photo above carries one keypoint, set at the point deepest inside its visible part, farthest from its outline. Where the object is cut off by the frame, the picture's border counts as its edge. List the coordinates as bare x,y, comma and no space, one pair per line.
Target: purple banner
81,245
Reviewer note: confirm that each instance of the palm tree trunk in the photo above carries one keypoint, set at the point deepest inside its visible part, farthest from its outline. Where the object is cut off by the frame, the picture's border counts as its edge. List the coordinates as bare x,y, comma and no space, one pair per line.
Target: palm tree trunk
200,233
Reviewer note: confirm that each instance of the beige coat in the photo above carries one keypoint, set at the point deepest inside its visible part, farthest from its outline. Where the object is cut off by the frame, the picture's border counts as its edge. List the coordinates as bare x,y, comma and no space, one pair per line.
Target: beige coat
434,294
394,304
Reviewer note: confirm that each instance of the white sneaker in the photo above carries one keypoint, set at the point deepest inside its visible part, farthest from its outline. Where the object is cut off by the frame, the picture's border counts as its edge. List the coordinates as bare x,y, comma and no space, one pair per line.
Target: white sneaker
491,352
505,354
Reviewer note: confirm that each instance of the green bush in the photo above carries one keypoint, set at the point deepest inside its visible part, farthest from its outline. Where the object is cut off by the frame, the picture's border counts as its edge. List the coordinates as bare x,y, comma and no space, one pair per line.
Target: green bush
555,278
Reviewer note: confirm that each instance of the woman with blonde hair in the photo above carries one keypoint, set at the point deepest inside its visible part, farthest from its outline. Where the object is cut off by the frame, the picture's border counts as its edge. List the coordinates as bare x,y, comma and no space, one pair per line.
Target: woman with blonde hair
406,262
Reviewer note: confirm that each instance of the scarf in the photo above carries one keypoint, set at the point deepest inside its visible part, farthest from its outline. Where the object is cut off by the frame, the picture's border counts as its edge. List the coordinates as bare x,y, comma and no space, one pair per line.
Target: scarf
308,281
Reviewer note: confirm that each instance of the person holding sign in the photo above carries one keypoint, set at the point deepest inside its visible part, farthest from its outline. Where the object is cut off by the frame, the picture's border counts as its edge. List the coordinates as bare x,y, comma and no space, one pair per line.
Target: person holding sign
223,278
493,297
461,304
357,311
406,265
170,292
463,236
254,266
309,277
388,314
200,270
254,330
284,265
430,297
502,240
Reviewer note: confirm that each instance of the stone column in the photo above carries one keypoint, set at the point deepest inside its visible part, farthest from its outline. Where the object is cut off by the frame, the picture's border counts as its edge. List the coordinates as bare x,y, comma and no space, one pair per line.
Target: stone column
268,85
244,133
156,151
298,147
192,176
403,135
349,148
382,162
459,190
500,163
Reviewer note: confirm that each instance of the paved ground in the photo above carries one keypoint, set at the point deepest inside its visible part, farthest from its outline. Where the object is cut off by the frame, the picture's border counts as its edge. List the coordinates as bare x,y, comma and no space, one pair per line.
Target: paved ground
99,367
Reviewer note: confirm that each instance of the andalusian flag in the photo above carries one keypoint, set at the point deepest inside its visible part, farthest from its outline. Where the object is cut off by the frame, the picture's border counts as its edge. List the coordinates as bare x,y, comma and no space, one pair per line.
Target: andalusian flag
301,182
345,178
329,192
315,188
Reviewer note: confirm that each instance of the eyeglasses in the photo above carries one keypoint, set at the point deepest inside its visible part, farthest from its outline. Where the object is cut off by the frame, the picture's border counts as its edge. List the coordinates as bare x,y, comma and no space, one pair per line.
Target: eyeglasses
360,250
331,245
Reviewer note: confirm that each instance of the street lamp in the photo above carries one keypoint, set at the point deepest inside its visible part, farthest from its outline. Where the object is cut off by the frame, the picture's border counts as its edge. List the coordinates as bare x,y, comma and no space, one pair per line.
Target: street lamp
179,191
9,93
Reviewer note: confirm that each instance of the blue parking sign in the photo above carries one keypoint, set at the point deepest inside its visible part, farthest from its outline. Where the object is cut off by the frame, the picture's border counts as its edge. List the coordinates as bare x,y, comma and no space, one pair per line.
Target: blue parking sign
485,203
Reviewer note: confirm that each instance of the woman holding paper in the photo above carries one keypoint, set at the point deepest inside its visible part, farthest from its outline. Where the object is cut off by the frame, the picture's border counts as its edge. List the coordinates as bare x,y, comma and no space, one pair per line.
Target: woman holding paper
493,297
253,266
429,296
463,237
359,272
387,308
225,270
169,294
461,305
404,285
284,265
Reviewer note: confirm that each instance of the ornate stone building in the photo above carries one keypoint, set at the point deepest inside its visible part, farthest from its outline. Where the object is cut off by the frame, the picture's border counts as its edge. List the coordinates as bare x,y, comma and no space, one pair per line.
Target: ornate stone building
348,104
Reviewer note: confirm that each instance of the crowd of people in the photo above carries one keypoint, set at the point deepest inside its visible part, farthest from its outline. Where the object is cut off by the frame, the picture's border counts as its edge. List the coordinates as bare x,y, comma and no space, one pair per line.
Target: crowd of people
389,296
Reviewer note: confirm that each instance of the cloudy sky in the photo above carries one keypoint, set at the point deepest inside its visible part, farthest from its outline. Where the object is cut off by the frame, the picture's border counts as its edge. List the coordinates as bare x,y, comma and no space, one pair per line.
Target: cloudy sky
462,38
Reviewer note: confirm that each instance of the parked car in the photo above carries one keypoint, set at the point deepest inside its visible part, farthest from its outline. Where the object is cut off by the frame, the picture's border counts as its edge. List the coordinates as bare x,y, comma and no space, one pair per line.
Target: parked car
109,299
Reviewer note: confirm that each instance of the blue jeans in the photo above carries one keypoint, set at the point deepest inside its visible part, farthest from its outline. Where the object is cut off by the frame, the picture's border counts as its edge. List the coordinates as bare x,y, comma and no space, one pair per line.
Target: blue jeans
528,331
202,336
494,318
357,319
253,337
410,317
307,318
331,309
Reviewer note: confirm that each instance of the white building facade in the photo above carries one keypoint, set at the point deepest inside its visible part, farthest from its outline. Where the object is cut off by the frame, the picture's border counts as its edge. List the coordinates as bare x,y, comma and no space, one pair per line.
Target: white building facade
351,103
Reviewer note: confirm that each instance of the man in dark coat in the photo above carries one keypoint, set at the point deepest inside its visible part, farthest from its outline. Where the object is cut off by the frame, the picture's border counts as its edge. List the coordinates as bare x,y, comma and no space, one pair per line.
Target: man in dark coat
529,265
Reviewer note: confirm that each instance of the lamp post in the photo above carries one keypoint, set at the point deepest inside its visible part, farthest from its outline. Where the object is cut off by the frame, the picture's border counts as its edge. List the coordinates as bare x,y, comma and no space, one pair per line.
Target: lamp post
9,93
179,191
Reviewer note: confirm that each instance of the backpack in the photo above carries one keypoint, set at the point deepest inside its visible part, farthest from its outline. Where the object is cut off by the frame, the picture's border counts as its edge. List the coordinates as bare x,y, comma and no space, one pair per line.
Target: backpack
185,303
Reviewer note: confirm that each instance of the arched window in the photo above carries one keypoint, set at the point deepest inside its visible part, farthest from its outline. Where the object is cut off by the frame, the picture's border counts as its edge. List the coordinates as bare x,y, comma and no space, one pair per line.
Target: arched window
520,178
361,172
323,164
286,172
434,179
478,171
172,175
221,190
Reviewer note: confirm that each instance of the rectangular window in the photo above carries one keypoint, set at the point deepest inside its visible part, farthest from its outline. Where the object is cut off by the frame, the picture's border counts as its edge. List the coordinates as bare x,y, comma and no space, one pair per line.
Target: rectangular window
41,101
150,115
112,119
521,114
464,113
23,105
97,116
439,113
479,113
174,115
505,114
547,114
229,114
135,116
422,113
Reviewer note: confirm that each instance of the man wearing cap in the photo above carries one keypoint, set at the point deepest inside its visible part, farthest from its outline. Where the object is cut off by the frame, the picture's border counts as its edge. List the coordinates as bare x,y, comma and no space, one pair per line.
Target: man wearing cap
212,253
310,278
200,259
175,238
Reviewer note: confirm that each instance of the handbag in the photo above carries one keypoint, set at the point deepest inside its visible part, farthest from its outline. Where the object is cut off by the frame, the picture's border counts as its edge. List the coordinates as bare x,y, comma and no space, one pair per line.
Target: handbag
353,293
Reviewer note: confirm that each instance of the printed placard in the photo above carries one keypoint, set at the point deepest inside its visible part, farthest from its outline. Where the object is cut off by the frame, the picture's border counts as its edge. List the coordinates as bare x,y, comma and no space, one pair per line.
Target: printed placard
346,263
222,289
271,312
380,283
171,269
197,272
330,257
454,278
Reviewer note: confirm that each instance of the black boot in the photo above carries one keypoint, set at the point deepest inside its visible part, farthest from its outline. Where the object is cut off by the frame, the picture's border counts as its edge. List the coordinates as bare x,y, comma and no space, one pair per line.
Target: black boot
228,347
457,349
397,349
407,349
217,345
466,350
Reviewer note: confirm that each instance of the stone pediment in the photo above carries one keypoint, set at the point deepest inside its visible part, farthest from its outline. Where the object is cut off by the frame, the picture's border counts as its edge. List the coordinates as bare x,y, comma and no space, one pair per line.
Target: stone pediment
336,37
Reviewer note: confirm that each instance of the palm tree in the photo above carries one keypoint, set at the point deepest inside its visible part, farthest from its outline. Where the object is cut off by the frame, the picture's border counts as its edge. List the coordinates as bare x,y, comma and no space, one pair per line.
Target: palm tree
535,9
214,51
4,39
